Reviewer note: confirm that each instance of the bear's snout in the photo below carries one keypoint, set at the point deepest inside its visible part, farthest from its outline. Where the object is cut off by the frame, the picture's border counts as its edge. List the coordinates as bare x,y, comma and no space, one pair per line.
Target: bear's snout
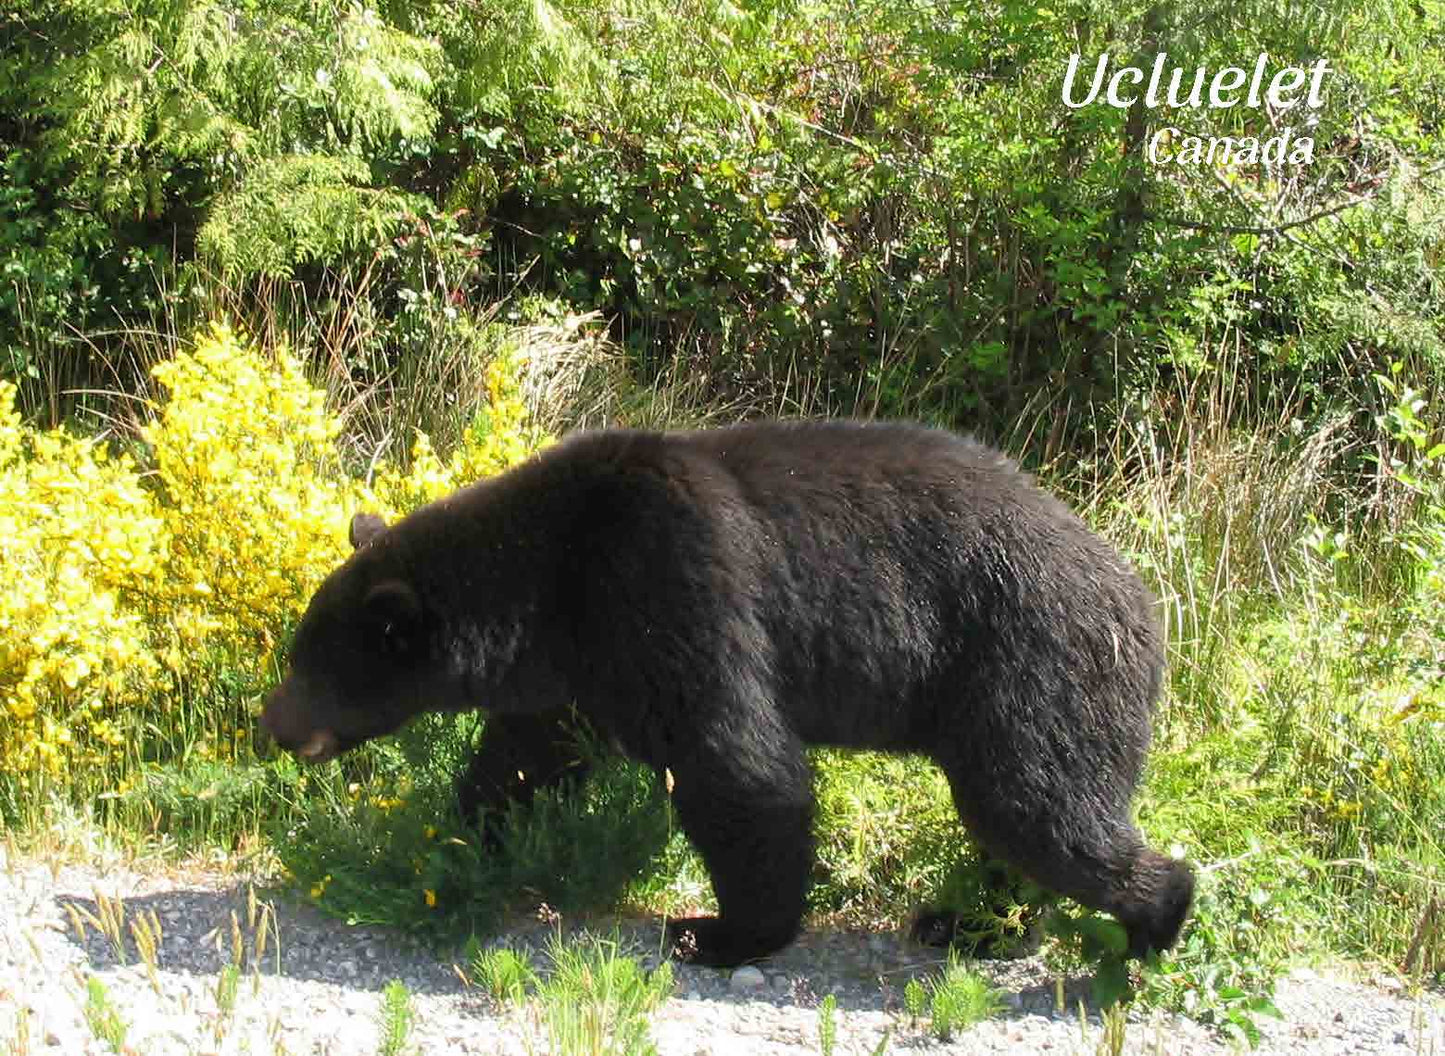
288,725
320,746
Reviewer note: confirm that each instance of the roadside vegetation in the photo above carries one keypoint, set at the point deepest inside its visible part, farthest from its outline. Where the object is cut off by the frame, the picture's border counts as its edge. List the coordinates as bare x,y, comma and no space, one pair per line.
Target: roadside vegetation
259,271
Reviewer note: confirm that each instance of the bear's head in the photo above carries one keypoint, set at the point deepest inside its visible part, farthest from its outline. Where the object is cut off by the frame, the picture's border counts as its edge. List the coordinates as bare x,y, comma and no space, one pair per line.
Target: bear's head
366,656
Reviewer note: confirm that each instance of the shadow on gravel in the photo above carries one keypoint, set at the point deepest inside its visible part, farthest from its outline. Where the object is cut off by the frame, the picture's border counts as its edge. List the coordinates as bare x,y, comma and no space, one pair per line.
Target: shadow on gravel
201,931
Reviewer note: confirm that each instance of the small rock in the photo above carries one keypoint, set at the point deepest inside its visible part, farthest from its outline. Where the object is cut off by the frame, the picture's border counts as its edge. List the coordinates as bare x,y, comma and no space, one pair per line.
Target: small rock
747,979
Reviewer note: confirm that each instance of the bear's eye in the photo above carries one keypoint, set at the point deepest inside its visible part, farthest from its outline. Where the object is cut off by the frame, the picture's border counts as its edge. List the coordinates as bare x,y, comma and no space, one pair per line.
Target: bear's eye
393,640
394,613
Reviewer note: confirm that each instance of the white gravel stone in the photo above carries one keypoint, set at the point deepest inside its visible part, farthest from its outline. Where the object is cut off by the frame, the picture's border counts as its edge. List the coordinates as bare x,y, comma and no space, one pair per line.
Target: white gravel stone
747,979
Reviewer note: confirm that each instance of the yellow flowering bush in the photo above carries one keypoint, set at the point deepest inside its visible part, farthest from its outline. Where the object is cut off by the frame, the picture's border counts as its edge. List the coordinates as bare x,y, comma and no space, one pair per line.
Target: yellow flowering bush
83,547
133,599
254,499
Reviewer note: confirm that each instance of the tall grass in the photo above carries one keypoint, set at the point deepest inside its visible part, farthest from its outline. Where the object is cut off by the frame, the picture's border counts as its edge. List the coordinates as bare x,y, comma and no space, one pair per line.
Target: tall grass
1301,746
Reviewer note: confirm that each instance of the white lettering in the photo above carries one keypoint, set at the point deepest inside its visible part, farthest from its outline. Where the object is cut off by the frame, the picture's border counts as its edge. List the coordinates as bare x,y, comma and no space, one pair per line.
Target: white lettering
1094,88
1321,68
1162,136
1282,84
1134,74
1194,98
1235,76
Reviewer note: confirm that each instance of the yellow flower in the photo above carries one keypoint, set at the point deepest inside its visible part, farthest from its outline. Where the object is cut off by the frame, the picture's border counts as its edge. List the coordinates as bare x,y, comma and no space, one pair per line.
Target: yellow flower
431,899
120,590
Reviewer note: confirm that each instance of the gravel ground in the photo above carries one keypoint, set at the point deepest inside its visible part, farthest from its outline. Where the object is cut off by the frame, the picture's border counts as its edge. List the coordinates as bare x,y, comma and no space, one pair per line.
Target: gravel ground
319,989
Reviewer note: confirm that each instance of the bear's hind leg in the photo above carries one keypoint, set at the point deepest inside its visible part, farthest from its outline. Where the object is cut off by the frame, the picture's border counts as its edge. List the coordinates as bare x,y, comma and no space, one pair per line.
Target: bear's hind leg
519,756
750,816
1098,859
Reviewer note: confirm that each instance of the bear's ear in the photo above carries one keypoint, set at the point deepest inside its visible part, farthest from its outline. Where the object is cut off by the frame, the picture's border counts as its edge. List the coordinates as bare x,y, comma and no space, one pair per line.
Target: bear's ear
393,611
364,528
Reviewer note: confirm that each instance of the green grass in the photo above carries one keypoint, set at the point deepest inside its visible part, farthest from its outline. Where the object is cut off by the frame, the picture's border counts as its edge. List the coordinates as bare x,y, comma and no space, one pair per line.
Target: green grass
953,1001
228,986
594,1000
102,1017
915,1000
590,998
888,835
394,852
395,1018
504,973
827,1025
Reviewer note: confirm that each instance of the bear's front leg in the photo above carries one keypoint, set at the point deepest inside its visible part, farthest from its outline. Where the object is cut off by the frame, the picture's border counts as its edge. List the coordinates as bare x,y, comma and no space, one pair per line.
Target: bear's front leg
746,802
519,756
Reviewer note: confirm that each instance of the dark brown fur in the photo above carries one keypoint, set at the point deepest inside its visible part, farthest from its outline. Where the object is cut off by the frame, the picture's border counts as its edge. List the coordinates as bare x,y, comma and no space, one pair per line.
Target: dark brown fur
716,601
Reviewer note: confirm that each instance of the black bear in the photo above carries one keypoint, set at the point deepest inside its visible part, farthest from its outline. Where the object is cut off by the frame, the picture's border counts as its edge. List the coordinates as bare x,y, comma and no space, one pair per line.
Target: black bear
713,602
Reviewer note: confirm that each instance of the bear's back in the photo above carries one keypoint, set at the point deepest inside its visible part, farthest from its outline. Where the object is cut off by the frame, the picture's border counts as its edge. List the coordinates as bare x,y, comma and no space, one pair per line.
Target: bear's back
879,562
